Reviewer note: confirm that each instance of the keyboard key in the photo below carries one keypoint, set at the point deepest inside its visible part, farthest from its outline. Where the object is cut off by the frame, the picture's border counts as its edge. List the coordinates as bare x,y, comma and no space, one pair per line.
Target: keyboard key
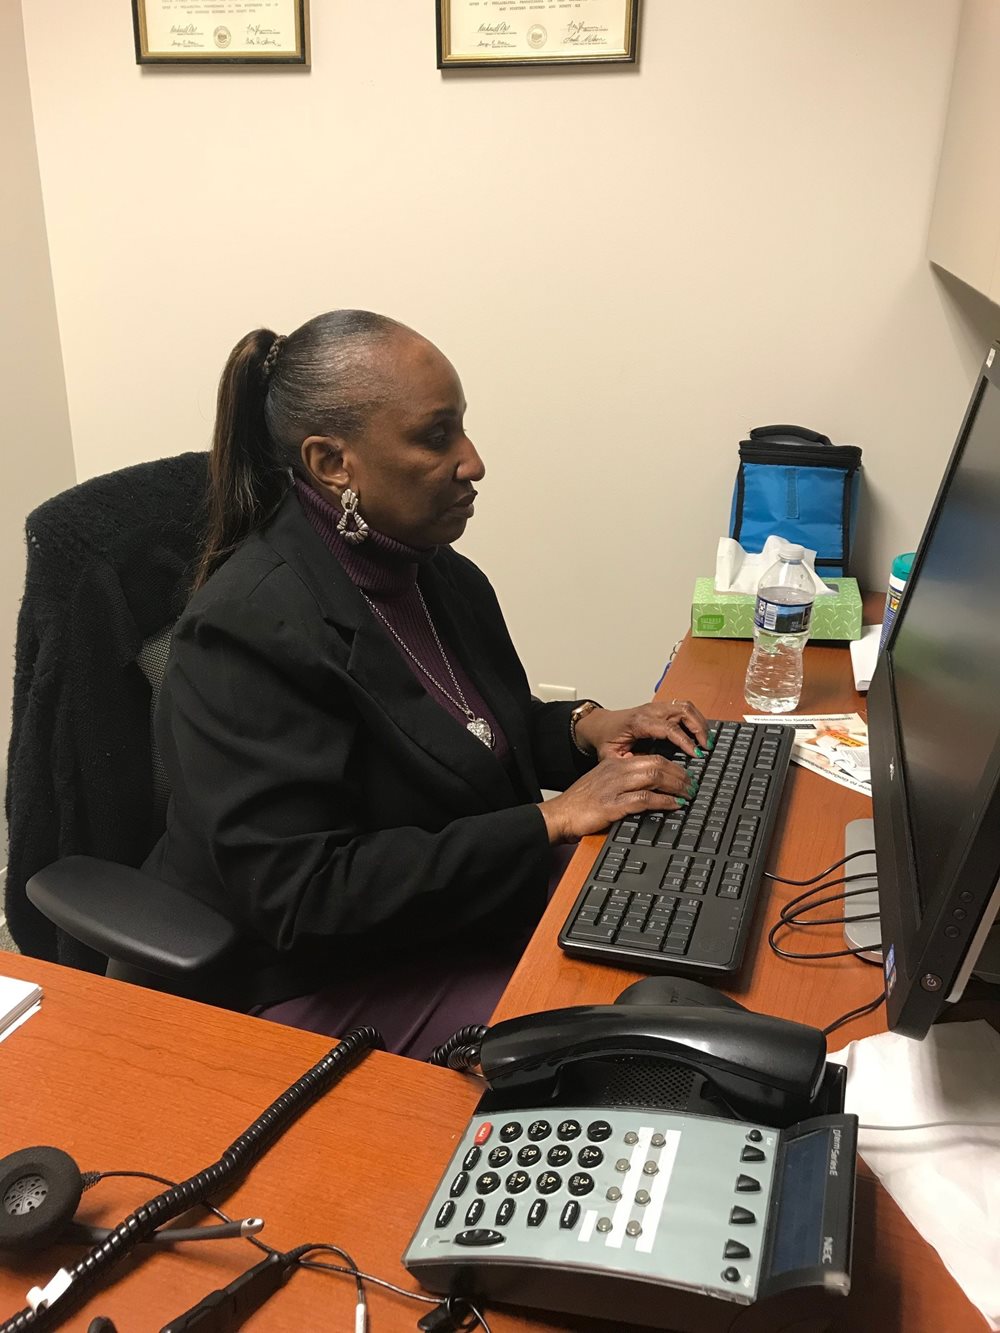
638,939
597,934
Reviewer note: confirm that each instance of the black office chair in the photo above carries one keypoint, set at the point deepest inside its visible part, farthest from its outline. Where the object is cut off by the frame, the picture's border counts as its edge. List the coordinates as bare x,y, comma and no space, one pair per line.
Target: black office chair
109,565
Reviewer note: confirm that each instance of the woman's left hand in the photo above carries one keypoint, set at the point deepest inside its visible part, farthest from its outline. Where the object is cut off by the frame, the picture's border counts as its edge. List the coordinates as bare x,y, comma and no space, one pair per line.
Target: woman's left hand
610,733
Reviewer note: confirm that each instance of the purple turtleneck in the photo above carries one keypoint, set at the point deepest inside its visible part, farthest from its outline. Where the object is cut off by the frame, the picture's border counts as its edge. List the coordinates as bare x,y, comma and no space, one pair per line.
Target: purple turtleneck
385,571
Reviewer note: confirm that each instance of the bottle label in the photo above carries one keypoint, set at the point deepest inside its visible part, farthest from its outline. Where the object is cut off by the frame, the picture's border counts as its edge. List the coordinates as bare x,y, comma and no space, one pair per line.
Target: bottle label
779,618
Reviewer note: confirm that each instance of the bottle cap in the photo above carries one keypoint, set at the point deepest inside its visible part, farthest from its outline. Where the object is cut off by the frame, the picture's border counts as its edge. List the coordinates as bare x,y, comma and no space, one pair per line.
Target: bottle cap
790,551
902,565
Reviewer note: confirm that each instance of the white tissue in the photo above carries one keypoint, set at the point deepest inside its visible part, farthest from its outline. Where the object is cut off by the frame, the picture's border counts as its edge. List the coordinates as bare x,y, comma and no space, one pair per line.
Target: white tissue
737,570
947,1179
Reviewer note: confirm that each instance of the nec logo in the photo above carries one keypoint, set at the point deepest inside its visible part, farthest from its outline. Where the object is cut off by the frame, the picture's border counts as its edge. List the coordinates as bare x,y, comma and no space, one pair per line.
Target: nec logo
892,769
827,1250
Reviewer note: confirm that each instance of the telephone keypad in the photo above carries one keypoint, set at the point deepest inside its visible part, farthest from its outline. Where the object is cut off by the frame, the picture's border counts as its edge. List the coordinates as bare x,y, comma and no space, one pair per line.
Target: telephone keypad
474,1212
518,1182
581,1183
598,1131
548,1182
505,1212
458,1184
569,1215
559,1155
471,1158
510,1131
751,1155
499,1157
445,1213
536,1213
642,1196
590,1156
568,1129
487,1182
529,1155
539,1129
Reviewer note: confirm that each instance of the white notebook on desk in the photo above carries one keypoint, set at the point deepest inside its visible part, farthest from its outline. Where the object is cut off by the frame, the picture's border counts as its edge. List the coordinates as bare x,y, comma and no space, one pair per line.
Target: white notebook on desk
17,1000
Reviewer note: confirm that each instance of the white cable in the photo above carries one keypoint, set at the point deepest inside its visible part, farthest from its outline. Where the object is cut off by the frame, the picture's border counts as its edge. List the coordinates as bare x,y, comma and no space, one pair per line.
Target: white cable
941,1124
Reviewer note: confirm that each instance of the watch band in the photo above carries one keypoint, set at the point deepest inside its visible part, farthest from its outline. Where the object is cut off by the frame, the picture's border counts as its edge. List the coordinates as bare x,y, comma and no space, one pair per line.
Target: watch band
578,713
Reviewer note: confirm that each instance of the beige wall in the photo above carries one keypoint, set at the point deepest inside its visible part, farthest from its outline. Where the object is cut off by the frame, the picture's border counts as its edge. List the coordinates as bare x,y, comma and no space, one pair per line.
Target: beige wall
37,453
629,267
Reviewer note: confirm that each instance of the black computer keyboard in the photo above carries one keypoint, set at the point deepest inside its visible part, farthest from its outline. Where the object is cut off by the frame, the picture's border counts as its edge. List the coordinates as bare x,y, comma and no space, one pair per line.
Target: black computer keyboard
675,891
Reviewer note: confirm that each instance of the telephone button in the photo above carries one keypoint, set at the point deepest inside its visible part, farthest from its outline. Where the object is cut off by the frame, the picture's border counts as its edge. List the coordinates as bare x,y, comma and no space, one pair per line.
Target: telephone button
483,1133
580,1183
499,1156
751,1155
568,1129
482,1236
734,1250
598,1130
475,1212
604,1224
539,1129
755,1136
505,1212
518,1182
445,1213
631,1137
739,1215
614,1194
569,1215
471,1158
529,1155
731,1274
590,1156
458,1185
657,1141
510,1131
747,1185
487,1182
559,1155
548,1182
536,1213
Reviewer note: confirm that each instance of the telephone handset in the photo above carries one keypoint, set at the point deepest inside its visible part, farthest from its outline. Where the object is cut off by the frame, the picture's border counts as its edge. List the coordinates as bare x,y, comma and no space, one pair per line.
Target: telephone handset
659,1164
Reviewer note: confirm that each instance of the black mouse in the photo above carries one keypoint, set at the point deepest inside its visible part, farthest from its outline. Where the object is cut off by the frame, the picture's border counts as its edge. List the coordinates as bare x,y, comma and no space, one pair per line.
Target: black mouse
676,990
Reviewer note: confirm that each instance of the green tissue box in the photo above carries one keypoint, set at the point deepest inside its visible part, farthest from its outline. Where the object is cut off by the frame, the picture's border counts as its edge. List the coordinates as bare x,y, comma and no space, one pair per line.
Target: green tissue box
729,615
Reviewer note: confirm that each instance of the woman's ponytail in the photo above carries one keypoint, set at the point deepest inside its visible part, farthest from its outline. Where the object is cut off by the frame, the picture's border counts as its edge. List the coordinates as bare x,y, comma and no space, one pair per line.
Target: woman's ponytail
247,476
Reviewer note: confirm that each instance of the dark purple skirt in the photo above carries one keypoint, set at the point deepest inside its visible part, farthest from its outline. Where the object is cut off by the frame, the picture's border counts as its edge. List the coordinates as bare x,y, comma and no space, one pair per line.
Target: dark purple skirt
415,1005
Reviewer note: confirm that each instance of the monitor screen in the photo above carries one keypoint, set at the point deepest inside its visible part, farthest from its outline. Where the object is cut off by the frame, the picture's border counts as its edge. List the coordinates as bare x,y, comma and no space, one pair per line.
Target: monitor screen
934,719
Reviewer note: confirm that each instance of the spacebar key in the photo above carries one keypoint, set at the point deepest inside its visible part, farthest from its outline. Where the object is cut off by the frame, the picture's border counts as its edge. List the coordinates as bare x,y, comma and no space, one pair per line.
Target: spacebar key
582,930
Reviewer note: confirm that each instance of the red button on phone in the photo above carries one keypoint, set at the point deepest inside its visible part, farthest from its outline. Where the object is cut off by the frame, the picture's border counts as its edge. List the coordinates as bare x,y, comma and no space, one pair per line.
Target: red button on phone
483,1133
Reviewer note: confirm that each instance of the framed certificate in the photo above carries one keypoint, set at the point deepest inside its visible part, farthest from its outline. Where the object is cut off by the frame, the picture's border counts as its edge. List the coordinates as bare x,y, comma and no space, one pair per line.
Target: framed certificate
220,32
472,33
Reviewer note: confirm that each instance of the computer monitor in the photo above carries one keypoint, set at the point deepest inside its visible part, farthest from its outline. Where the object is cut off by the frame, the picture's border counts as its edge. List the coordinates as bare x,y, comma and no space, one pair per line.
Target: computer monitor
934,734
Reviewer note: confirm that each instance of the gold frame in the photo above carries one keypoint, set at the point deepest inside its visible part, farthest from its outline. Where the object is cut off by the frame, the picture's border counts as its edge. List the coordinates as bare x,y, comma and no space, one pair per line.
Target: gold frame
446,59
220,56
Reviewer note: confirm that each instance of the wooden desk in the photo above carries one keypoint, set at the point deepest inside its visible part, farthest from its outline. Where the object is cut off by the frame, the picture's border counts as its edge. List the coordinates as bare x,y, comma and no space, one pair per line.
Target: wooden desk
899,1283
127,1079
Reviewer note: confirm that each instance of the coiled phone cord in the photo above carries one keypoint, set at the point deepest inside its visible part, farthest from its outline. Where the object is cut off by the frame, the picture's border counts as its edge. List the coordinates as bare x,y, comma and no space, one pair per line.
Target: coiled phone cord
238,1158
460,1051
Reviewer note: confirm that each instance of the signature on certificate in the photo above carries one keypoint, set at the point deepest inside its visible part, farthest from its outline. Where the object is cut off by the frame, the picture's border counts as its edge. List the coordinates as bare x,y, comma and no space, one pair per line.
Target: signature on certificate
494,29
257,35
187,30
579,33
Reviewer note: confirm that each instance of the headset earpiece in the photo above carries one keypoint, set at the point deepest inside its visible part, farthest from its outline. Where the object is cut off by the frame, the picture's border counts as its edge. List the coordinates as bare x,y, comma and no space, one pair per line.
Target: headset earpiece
39,1192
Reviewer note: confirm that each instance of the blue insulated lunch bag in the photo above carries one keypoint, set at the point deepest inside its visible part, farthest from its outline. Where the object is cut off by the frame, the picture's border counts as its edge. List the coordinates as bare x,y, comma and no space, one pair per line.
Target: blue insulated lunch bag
795,483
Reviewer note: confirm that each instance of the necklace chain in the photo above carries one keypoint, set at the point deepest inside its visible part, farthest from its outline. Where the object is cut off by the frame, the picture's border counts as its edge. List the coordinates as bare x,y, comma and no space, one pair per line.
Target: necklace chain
461,703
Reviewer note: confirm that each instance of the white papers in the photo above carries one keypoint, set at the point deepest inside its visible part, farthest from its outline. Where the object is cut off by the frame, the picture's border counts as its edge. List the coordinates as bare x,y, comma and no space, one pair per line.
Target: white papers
18,1001
946,1179
834,745
737,570
864,655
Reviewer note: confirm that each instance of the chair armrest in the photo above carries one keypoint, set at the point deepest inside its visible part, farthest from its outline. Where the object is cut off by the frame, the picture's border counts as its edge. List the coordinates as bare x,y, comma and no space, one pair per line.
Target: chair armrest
130,916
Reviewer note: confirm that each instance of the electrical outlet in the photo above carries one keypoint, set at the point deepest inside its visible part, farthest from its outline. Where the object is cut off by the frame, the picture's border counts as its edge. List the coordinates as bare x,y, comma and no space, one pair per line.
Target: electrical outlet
553,693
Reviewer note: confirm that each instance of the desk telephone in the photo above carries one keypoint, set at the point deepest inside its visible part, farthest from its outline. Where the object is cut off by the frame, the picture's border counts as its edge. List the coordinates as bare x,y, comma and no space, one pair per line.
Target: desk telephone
667,1161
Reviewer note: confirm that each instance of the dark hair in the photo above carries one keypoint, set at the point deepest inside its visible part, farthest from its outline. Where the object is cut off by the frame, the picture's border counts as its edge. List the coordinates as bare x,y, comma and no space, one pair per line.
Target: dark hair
273,394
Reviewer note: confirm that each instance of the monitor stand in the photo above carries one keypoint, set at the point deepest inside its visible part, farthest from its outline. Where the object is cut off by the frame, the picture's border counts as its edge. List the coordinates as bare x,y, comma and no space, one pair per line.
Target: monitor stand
859,836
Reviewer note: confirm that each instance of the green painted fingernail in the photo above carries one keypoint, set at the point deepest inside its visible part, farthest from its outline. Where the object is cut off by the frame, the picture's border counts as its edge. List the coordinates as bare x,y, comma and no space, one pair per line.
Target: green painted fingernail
699,752
680,800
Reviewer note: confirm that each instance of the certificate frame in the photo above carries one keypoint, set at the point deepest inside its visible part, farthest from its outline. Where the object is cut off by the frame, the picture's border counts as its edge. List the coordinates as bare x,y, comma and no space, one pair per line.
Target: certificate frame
538,44
224,37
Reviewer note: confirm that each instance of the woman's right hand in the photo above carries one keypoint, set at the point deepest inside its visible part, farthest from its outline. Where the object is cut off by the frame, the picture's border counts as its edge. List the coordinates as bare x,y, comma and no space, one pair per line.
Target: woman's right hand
616,787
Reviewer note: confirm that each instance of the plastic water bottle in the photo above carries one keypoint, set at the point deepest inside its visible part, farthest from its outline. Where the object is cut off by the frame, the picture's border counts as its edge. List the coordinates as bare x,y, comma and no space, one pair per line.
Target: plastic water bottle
781,628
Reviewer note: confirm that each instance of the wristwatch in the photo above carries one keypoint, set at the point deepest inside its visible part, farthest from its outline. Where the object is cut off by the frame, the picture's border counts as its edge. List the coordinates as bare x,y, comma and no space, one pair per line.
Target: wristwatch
577,715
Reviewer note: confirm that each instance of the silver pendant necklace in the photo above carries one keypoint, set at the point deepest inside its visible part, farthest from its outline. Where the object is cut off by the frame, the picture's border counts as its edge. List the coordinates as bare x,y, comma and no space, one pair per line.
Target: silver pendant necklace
479,727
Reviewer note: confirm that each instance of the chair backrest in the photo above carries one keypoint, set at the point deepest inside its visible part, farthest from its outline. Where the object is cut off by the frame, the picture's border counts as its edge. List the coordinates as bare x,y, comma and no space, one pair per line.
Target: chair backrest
109,568
152,660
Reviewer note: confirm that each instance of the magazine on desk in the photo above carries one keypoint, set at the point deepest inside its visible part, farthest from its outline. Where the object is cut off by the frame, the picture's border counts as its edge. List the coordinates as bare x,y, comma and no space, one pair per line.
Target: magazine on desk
835,745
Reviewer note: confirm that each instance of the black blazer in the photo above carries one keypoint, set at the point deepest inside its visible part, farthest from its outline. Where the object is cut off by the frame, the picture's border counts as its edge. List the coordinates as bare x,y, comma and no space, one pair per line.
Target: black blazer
322,799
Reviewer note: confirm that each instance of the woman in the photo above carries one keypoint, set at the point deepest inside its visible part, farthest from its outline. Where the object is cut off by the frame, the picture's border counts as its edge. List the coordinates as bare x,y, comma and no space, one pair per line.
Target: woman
355,758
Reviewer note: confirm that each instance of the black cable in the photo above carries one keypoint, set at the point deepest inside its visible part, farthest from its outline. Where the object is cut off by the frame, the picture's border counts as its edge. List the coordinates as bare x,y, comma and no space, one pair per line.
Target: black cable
801,883
787,918
465,1039
853,1013
237,1159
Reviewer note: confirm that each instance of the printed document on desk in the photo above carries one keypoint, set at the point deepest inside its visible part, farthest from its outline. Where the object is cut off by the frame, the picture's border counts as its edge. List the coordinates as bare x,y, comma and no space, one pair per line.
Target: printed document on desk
834,745
18,1001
